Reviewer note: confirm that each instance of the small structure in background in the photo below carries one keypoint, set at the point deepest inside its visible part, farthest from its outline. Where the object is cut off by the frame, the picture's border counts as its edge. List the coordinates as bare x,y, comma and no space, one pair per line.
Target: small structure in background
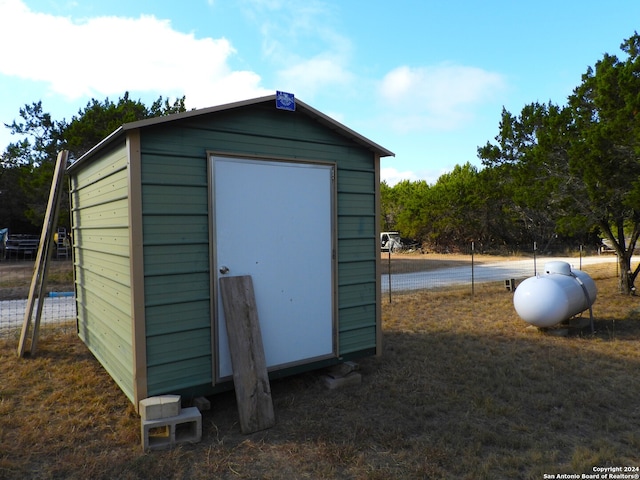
510,284
62,243
21,246
555,296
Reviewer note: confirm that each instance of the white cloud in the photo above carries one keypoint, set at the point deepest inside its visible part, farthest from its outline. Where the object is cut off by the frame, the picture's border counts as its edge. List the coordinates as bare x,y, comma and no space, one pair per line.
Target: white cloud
109,55
442,97
308,55
393,176
307,77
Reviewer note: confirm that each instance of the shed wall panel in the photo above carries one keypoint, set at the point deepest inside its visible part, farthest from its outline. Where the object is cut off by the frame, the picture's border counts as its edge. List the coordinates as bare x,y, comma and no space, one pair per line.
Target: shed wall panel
358,250
171,259
101,264
174,200
102,307
161,170
107,239
107,190
165,319
351,273
178,346
356,318
356,181
101,249
352,341
175,218
112,214
356,295
356,227
175,230
113,358
356,203
173,289
109,164
179,375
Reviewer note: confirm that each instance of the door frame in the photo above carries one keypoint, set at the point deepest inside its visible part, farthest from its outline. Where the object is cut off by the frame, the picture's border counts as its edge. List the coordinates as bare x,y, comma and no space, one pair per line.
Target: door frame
214,288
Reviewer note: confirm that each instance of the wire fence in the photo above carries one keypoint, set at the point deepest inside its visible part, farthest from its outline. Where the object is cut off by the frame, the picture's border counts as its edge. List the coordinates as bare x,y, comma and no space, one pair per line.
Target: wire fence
58,303
401,273
404,273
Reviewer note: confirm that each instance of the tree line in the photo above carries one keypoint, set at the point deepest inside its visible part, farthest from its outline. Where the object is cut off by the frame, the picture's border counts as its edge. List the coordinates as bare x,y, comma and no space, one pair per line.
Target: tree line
471,205
554,174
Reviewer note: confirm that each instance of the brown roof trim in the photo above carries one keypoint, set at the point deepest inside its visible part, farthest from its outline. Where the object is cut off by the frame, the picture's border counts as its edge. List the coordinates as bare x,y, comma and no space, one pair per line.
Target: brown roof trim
104,143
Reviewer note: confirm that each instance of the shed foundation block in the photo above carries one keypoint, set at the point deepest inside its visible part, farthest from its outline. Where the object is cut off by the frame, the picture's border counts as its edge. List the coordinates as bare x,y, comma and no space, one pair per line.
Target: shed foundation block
168,432
161,406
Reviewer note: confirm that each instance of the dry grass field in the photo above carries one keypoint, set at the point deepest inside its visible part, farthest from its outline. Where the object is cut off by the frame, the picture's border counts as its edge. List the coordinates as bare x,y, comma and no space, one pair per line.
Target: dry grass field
15,277
463,390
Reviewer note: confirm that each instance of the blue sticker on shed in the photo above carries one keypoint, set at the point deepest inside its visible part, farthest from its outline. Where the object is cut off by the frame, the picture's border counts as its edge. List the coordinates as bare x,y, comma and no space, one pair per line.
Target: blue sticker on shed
285,101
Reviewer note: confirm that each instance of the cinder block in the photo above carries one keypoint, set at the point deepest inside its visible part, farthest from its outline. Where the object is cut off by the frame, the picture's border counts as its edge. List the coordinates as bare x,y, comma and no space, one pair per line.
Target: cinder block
170,405
150,408
162,406
168,432
353,378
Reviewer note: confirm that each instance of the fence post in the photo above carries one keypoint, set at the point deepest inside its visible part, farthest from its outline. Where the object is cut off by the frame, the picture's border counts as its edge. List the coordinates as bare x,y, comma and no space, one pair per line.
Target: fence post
535,247
473,245
389,273
581,257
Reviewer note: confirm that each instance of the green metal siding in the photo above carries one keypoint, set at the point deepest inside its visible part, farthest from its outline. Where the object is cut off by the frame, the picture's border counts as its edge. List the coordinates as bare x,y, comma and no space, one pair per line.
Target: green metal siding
176,270
100,216
357,253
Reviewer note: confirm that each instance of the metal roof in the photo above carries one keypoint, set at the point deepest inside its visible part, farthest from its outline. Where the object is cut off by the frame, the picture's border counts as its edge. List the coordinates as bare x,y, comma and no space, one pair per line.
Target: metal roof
300,105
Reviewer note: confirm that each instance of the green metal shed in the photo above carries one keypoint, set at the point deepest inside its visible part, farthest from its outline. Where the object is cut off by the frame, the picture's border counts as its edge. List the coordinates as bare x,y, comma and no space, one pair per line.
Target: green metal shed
162,208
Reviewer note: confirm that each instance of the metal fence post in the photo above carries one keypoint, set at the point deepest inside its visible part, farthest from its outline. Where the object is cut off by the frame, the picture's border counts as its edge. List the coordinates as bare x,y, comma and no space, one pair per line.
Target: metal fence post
581,257
389,273
473,283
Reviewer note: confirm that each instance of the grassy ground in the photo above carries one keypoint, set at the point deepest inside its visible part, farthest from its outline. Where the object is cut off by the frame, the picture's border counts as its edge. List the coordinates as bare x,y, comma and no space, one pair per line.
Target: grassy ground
15,277
462,390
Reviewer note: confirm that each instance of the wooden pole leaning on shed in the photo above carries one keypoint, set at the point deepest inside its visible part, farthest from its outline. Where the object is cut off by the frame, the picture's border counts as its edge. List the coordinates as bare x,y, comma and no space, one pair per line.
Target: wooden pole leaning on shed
250,377
45,248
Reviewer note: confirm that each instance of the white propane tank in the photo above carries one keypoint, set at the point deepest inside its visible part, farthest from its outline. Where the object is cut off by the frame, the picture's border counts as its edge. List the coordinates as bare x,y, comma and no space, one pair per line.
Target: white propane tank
559,294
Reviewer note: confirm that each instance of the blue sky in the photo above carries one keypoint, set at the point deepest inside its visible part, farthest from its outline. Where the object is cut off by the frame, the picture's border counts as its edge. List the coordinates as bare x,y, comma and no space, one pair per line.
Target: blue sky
425,79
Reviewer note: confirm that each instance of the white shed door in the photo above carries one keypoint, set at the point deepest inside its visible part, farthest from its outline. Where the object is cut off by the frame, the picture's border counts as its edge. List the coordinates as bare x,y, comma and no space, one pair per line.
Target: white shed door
274,221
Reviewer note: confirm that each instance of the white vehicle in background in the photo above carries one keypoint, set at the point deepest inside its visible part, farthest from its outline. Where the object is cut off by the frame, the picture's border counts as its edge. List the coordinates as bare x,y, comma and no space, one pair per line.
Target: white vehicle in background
390,241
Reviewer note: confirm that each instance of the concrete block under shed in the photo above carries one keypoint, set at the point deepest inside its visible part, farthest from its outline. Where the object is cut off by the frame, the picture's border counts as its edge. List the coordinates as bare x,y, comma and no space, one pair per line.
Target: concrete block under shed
168,432
162,406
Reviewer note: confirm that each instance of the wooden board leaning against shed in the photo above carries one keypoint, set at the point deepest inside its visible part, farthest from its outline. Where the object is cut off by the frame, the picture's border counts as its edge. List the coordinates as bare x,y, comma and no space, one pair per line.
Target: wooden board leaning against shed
45,248
250,377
